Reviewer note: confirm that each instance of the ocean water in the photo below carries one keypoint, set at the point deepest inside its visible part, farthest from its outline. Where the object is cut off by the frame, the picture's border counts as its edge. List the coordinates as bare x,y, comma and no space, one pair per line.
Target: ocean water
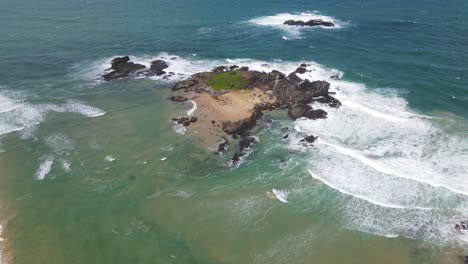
94,172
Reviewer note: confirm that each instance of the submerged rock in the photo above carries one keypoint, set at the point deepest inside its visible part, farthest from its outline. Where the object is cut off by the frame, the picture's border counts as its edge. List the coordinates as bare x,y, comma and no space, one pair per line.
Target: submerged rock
223,147
310,23
178,99
247,143
122,67
309,139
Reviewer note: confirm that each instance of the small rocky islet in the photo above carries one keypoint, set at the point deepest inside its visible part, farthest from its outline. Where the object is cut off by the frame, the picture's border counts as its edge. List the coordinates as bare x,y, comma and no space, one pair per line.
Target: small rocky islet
309,23
280,92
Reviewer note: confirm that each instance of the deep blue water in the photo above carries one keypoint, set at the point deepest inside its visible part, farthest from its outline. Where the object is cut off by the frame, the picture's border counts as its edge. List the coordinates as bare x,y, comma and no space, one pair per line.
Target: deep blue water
417,47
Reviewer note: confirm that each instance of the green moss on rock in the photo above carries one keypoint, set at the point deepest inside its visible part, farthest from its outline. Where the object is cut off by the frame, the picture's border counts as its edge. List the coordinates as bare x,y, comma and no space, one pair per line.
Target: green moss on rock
228,81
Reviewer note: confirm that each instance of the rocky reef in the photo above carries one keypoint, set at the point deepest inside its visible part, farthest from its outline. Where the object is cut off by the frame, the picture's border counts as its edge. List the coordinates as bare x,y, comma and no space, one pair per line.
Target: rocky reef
122,67
310,23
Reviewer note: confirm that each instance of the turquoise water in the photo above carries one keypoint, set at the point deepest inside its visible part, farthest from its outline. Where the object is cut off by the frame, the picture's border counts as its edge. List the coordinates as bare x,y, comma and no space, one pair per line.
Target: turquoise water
80,162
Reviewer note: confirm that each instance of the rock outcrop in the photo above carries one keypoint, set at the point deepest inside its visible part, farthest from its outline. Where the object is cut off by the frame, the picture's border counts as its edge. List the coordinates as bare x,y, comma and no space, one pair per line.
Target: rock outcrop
122,67
310,23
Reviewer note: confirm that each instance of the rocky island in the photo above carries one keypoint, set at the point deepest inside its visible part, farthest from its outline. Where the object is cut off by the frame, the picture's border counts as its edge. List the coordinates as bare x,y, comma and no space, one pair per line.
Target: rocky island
229,100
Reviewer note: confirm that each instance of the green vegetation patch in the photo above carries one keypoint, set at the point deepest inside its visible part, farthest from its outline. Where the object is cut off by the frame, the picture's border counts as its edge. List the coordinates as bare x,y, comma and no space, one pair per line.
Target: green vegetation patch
228,81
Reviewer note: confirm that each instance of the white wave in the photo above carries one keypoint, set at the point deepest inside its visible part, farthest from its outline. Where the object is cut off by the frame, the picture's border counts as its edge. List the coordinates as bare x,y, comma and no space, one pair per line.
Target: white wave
44,168
377,165
281,195
193,109
277,21
66,165
109,158
397,164
179,129
21,116
396,206
73,106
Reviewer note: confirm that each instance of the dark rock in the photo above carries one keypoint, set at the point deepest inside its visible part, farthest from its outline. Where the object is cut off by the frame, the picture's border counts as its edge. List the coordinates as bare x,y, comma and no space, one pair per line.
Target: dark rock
219,69
301,70
298,110
303,65
213,122
233,67
310,23
241,126
184,84
329,100
122,67
336,77
178,99
308,139
236,158
244,68
184,120
158,65
315,88
180,120
223,147
246,143
294,78
316,114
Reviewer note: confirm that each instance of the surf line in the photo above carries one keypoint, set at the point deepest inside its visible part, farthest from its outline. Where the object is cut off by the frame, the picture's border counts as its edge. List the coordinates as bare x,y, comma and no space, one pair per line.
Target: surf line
194,108
375,165
365,198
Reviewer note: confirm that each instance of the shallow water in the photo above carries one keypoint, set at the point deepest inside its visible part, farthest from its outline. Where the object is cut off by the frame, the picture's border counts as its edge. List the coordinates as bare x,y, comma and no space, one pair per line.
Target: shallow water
94,172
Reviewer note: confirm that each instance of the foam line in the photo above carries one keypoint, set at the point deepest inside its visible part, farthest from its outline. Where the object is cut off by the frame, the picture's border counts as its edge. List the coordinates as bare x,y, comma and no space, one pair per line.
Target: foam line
194,108
373,112
384,169
281,195
363,197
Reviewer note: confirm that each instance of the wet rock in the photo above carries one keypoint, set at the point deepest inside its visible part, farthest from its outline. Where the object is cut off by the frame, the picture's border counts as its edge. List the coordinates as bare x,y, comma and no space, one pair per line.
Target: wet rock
309,139
315,88
178,99
184,84
236,158
233,67
180,120
219,69
185,121
122,67
246,144
158,66
316,114
244,68
298,111
329,100
241,126
301,70
303,65
285,131
310,23
294,78
336,77
223,147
